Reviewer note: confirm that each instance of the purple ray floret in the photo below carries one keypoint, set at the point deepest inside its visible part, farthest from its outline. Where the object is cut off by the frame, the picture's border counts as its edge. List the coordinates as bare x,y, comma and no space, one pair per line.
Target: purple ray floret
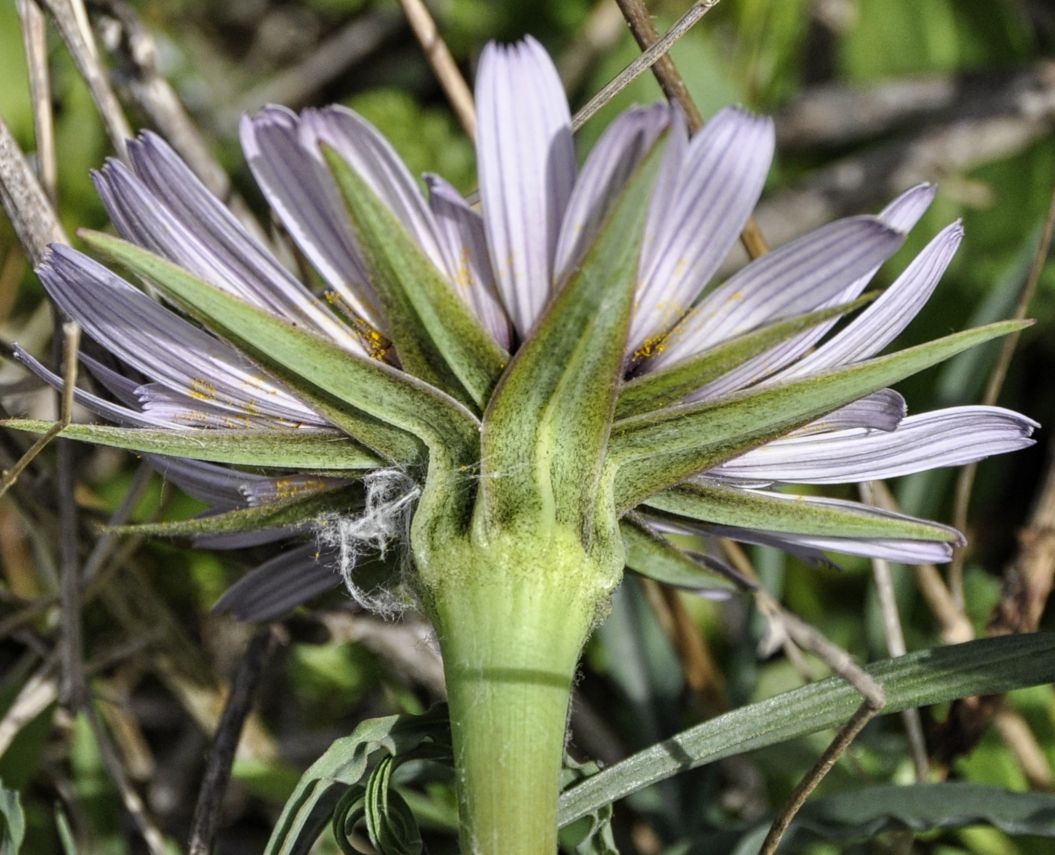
505,258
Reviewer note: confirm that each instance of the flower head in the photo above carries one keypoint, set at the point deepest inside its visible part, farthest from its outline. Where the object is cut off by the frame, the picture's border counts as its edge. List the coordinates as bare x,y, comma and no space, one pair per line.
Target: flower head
724,391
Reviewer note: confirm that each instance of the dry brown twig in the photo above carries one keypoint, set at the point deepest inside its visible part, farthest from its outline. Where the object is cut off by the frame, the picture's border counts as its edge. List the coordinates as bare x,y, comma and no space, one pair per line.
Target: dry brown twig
34,40
652,55
965,480
673,86
225,741
296,85
443,65
71,22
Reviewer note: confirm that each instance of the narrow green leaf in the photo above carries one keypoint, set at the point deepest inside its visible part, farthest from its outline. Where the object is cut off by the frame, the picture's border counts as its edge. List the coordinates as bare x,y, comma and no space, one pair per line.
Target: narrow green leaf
345,763
436,334
658,389
988,666
649,553
12,821
366,386
864,813
722,505
286,449
548,422
658,450
295,511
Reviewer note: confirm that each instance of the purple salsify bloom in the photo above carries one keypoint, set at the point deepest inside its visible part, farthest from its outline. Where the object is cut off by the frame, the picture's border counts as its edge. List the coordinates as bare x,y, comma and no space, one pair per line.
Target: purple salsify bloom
538,215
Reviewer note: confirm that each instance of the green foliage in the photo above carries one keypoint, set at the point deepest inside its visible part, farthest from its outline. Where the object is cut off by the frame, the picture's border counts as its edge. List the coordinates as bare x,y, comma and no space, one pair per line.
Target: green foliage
988,666
352,784
12,821
891,37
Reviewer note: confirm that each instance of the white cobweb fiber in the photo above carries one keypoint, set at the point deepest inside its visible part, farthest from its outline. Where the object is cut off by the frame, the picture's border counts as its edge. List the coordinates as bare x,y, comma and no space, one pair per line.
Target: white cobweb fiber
384,523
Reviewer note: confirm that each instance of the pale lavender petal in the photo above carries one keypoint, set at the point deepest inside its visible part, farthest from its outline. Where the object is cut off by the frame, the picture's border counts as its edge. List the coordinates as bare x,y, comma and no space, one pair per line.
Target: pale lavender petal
909,551
881,322
903,551
811,549
218,486
260,491
526,162
202,410
901,214
882,410
165,208
461,230
693,225
949,437
813,557
100,406
797,278
905,211
300,189
162,345
281,584
623,146
373,158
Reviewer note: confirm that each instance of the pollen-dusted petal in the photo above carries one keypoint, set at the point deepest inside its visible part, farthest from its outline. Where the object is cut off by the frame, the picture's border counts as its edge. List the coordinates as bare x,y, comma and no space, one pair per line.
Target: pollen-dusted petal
93,403
165,208
796,278
373,158
162,345
949,437
260,491
203,408
693,225
610,164
218,486
881,322
526,163
298,186
461,230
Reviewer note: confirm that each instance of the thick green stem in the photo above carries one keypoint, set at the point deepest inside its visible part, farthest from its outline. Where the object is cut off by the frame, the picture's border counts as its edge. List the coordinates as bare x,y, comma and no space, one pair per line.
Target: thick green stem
511,638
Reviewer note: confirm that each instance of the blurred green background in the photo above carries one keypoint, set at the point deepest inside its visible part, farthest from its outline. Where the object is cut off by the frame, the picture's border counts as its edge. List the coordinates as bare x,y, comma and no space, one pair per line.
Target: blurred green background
870,96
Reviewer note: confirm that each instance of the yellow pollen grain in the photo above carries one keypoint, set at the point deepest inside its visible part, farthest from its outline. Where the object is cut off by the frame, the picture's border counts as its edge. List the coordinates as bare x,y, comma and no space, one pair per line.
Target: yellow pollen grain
651,346
201,389
465,273
286,488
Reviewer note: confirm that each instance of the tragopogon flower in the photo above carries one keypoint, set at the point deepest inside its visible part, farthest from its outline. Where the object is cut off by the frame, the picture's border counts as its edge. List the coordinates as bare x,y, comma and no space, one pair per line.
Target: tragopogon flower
691,344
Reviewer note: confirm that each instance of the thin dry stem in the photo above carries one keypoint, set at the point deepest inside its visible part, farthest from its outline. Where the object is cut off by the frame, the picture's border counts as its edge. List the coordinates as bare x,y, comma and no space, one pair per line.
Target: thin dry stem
24,201
955,627
673,86
228,733
849,731
133,804
965,481
71,23
443,64
329,60
1023,744
650,56
895,642
806,635
34,40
